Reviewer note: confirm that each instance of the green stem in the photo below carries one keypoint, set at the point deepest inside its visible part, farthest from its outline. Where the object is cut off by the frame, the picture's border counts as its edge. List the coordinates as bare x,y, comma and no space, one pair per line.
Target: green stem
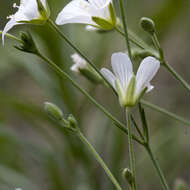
124,21
54,26
117,123
157,167
11,37
167,66
99,160
164,63
163,111
131,150
176,76
130,38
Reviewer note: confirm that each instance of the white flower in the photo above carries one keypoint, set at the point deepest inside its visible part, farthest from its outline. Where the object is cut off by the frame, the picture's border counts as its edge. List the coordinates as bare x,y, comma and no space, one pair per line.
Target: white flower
128,86
97,13
80,63
29,11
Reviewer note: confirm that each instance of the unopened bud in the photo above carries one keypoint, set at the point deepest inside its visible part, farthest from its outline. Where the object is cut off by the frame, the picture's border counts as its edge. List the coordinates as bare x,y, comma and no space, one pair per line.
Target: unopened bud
141,54
53,111
127,175
147,25
27,45
180,185
72,123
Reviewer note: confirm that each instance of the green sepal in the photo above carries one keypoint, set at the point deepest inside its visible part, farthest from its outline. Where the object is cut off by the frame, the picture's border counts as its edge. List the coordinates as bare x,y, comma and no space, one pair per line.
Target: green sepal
37,21
112,14
130,101
120,93
102,23
44,11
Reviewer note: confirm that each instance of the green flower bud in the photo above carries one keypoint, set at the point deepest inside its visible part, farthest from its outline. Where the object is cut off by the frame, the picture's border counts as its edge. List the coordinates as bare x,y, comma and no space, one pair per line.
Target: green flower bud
127,175
27,45
147,25
53,111
180,185
72,123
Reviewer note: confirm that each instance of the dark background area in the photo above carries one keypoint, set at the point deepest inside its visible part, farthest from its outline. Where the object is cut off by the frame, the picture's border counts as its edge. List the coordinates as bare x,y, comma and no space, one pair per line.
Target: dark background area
36,155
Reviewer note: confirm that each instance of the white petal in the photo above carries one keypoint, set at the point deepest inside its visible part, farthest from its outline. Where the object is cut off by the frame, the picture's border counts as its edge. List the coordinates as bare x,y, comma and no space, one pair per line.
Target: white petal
109,76
122,68
77,11
100,3
8,26
91,28
145,73
28,10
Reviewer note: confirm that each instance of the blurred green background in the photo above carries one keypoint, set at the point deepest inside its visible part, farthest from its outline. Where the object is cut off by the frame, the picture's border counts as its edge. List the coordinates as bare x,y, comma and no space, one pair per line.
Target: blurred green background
36,155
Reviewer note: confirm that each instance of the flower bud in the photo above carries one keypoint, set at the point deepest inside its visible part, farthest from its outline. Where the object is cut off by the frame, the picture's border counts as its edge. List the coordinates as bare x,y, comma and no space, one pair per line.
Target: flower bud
147,25
72,123
27,45
141,54
180,185
127,175
53,111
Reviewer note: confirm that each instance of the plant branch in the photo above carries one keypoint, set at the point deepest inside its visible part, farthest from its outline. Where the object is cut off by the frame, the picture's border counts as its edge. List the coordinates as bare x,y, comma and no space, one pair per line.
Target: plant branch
99,160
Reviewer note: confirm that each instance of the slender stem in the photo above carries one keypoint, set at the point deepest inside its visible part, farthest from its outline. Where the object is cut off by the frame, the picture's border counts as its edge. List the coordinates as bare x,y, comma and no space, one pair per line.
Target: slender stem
157,167
157,45
131,150
117,123
167,66
124,21
137,128
165,112
99,160
164,63
11,37
177,76
54,26
135,42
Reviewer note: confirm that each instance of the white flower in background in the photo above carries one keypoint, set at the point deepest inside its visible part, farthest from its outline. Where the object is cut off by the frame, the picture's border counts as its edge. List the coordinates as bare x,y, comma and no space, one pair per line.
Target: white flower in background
29,11
79,63
128,86
96,13
80,66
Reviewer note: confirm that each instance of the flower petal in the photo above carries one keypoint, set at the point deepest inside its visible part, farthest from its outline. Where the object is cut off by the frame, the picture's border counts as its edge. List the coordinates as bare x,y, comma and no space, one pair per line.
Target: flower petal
8,26
109,76
100,3
77,11
122,68
145,73
28,10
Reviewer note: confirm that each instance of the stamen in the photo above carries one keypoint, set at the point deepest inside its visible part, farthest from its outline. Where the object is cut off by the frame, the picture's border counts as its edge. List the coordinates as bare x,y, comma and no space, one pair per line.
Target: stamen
10,16
15,6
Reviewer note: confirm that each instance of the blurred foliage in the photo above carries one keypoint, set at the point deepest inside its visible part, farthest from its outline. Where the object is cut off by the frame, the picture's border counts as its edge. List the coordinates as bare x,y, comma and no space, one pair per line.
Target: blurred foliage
35,154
